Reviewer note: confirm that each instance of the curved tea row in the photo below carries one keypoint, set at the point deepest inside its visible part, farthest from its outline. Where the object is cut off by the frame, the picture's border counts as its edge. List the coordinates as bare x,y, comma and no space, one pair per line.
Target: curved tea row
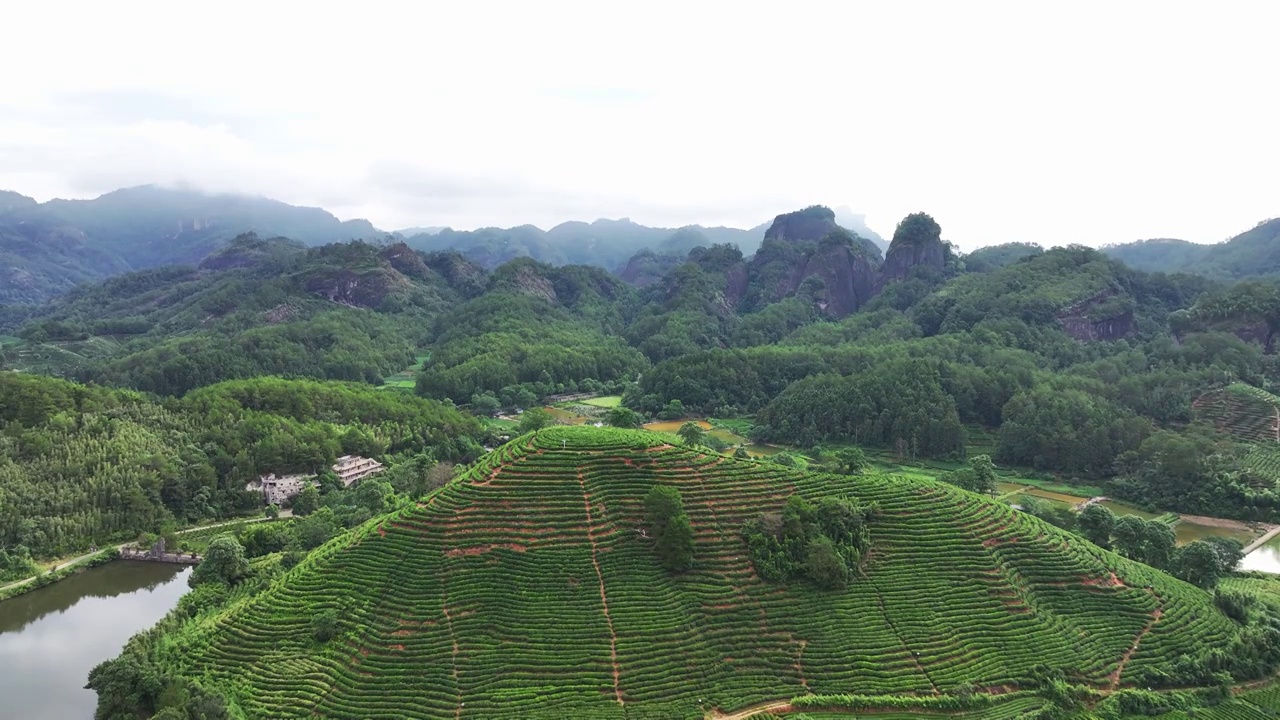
527,588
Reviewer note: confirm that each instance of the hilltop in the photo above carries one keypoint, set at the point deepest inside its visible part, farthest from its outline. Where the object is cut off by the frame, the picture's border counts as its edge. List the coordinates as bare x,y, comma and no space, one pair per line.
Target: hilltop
46,248
1253,253
529,587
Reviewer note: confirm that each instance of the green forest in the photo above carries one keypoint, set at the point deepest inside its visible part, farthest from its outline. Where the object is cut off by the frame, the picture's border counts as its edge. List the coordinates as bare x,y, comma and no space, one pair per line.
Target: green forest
147,401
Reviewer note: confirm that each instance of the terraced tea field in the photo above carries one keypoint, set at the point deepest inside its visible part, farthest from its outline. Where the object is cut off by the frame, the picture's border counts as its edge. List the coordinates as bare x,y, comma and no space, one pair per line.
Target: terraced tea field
1244,411
527,588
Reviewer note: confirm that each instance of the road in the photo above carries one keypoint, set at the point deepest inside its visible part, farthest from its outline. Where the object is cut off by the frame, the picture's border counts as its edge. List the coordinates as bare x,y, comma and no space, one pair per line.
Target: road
86,556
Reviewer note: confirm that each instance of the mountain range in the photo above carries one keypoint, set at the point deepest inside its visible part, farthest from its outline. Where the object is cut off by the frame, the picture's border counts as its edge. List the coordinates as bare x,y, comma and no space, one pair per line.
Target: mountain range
48,248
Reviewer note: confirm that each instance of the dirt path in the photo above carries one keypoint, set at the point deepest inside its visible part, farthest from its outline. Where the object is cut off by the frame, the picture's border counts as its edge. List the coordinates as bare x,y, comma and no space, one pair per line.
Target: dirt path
743,714
1124,659
902,641
604,599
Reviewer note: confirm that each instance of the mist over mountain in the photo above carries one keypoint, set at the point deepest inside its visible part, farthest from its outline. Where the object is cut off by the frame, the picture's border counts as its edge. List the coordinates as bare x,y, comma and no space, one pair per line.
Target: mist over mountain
48,248
1253,253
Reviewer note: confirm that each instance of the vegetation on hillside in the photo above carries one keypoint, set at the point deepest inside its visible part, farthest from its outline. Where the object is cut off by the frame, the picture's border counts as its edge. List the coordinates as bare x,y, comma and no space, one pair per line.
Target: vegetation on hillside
568,612
80,465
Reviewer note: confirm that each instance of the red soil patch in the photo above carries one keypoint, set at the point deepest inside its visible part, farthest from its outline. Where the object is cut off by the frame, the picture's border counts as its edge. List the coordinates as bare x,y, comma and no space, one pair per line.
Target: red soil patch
604,599
481,549
1111,581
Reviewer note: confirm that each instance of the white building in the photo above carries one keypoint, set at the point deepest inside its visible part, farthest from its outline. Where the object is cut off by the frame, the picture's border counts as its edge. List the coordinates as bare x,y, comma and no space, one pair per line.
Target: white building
279,489
351,468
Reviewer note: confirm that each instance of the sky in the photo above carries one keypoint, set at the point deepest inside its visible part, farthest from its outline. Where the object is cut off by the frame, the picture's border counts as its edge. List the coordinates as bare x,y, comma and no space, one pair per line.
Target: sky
1081,122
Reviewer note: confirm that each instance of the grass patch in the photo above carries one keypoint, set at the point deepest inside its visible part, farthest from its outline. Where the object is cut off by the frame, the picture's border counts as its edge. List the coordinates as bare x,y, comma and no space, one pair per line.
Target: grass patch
608,401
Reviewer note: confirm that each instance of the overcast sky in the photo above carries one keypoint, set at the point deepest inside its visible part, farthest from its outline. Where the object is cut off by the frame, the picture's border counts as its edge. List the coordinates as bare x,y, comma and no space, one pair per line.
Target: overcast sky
1090,122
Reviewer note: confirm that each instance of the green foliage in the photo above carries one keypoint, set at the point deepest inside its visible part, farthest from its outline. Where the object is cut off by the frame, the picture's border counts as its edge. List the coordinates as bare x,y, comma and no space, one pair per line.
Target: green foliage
1096,523
324,626
979,477
1204,562
621,417
993,257
455,568
823,543
306,502
224,563
1067,430
535,419
81,465
669,526
692,433
897,404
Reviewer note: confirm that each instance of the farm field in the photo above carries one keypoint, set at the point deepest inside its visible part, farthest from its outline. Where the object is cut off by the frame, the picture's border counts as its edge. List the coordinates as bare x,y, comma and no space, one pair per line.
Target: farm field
606,401
670,426
525,589
406,378
1243,411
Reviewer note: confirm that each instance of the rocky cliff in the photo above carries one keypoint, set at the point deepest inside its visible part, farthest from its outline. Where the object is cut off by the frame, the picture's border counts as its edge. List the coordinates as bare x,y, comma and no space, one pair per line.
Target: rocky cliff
848,276
917,242
647,267
1105,316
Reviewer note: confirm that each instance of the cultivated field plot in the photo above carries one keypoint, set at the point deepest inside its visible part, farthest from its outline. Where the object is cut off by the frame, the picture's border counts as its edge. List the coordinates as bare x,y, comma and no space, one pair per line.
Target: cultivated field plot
1244,411
527,589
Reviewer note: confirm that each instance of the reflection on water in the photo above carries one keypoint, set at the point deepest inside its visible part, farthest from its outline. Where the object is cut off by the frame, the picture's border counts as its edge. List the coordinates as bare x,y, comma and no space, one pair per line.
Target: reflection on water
51,638
1265,558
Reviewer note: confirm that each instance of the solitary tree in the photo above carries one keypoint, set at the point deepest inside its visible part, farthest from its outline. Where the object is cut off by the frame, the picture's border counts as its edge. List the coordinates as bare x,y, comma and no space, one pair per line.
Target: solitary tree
669,525
621,417
1095,523
224,563
535,419
1198,564
851,461
692,433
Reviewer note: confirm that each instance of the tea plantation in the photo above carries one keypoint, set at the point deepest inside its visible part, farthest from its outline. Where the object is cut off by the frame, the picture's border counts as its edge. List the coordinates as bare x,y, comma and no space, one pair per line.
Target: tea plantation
529,588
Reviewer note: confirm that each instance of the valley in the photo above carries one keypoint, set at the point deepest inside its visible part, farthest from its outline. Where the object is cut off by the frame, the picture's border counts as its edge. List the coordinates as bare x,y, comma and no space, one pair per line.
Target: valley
902,480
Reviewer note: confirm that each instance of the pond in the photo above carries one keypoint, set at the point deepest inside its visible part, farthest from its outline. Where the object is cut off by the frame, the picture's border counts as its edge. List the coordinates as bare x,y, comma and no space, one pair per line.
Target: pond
1188,531
1265,559
52,637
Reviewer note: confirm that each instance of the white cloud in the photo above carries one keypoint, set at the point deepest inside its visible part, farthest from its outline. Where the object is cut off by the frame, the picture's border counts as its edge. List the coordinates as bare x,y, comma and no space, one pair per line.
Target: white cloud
1089,122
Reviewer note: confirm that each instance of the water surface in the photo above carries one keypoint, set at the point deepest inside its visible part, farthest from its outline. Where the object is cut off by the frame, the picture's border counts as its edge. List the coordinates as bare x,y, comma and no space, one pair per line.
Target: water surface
52,637
1265,559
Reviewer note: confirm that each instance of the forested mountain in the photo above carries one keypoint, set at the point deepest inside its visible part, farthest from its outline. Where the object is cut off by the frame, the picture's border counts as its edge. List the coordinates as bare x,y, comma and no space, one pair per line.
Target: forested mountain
1077,364
83,464
348,311
1253,253
45,248
48,248
184,381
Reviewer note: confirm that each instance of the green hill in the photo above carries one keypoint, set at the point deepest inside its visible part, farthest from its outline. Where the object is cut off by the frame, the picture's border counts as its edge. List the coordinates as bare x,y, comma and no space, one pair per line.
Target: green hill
1253,253
528,588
